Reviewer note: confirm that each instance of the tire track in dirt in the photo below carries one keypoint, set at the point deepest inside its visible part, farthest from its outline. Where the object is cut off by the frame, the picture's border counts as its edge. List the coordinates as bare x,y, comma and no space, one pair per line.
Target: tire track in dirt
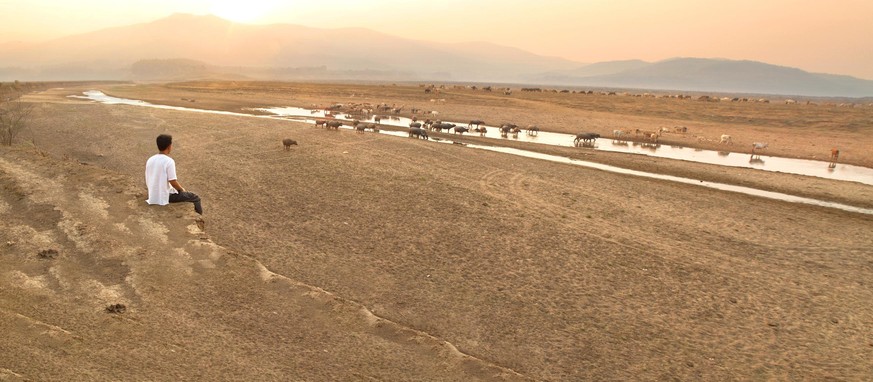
698,257
394,331
160,121
517,193
9,375
518,189
36,326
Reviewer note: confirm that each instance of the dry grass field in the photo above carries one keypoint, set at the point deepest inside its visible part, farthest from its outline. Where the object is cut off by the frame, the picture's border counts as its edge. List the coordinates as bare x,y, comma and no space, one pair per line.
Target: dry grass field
372,257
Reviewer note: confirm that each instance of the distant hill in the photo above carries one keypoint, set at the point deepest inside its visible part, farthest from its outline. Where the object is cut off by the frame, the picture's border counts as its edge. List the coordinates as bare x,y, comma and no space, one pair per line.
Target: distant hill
714,75
221,43
602,68
185,46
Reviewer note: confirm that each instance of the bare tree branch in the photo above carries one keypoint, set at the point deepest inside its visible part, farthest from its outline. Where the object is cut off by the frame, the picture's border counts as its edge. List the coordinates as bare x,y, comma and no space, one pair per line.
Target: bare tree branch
14,116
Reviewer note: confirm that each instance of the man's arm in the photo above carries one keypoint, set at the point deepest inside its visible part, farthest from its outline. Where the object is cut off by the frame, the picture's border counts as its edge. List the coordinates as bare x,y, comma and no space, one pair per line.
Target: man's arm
176,185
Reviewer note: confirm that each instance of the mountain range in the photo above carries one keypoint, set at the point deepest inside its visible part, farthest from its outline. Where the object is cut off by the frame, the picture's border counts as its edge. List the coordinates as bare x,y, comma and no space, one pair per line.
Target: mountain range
716,75
185,46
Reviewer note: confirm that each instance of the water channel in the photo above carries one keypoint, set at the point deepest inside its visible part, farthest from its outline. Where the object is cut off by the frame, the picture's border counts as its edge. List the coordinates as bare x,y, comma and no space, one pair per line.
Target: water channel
795,166
820,169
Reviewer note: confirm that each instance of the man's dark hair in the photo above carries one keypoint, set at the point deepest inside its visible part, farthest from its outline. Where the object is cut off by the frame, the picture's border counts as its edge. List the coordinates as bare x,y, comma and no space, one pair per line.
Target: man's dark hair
164,141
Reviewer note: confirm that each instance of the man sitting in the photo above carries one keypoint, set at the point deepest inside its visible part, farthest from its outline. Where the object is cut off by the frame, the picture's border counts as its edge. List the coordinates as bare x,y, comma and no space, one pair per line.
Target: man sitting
160,174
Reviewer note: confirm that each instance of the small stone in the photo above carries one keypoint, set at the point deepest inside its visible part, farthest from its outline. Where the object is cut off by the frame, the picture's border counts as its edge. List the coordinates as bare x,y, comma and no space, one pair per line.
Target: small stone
772,324
48,253
116,308
732,300
834,320
689,364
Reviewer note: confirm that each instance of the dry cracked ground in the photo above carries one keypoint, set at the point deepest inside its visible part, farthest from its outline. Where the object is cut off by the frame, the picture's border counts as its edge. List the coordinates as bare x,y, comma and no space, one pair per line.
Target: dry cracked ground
373,257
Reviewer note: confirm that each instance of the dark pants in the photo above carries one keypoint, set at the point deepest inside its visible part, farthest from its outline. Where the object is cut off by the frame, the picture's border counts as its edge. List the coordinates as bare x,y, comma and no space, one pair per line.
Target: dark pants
187,197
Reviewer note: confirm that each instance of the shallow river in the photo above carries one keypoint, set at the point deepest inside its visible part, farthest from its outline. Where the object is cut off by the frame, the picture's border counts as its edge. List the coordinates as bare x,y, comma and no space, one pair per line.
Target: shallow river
787,165
723,158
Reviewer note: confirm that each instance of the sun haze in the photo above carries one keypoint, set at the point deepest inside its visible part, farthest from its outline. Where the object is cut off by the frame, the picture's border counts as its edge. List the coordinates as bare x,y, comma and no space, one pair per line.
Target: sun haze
250,11
827,37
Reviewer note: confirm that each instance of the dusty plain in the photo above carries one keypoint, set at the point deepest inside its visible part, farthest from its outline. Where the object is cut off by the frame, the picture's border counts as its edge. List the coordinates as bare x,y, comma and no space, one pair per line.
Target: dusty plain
373,257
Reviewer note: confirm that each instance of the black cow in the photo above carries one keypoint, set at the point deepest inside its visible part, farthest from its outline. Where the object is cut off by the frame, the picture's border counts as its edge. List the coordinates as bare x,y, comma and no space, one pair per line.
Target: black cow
507,128
585,139
533,130
442,125
418,132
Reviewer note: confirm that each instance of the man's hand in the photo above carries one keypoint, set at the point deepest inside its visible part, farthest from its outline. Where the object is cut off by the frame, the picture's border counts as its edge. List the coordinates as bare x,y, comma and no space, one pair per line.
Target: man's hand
177,186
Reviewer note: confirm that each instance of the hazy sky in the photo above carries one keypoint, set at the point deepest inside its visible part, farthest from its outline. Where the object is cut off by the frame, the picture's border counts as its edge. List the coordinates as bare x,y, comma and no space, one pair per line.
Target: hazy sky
814,35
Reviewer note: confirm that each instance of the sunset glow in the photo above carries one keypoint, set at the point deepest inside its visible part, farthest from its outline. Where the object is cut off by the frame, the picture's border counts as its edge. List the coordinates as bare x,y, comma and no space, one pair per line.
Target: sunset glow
824,37
242,11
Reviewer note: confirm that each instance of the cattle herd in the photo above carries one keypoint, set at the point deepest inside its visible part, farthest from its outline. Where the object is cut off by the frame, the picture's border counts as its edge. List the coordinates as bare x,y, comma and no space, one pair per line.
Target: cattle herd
420,129
358,111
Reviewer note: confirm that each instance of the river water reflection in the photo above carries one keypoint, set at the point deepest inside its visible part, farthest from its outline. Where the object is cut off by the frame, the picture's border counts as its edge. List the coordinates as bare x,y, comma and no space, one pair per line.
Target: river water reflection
767,163
723,158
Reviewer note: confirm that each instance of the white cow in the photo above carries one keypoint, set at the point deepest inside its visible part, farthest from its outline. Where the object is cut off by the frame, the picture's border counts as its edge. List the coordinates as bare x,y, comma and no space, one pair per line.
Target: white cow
617,134
726,139
759,146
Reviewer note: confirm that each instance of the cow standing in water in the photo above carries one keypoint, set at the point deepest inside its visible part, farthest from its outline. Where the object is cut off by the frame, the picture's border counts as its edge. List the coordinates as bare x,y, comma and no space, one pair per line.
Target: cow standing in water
418,132
585,139
533,130
758,146
756,158
476,122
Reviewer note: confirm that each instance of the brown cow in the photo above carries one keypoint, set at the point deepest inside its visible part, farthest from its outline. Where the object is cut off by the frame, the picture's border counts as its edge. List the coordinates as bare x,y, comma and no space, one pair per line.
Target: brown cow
532,130
288,142
835,154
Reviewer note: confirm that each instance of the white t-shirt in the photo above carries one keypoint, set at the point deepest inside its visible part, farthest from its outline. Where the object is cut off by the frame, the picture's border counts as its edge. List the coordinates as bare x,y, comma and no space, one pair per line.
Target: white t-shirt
160,170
